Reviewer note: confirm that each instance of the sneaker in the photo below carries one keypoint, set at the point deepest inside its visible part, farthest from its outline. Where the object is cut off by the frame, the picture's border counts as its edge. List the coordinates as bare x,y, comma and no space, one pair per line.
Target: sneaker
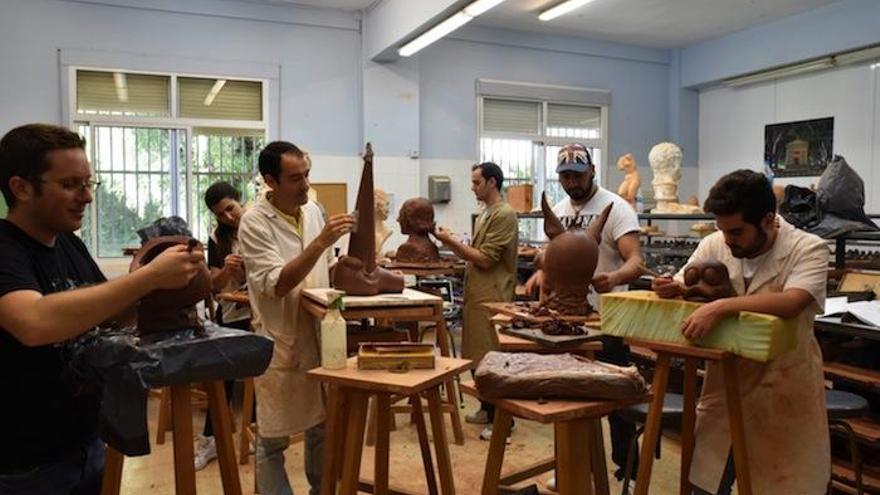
205,453
479,417
486,434
551,484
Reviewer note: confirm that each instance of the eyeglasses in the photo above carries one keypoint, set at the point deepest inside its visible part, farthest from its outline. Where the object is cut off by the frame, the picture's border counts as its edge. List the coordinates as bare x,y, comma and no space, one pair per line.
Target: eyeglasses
74,185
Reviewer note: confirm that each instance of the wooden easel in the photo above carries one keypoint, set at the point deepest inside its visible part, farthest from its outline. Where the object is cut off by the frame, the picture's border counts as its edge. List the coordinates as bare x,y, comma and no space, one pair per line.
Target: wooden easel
184,467
691,355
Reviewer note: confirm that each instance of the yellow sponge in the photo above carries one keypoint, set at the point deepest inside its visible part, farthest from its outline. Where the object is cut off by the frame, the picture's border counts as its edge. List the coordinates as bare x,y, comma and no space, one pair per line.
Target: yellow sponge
644,315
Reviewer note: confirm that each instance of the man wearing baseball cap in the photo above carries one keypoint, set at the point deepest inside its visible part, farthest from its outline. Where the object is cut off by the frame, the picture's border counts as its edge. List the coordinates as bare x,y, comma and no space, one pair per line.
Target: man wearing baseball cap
619,259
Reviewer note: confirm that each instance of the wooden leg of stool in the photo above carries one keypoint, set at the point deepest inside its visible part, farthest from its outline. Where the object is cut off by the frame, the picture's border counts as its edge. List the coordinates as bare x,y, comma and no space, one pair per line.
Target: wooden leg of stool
382,405
573,440
221,421
112,479
372,417
495,458
441,447
737,428
424,445
597,458
334,437
354,440
451,395
688,420
181,416
164,422
652,424
247,417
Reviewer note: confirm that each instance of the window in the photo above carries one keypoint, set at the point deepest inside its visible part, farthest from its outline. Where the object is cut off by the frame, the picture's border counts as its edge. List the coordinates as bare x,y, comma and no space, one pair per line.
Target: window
523,137
156,142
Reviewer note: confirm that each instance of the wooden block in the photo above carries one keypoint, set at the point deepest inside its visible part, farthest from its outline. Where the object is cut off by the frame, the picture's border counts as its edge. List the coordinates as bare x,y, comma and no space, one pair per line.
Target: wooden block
395,356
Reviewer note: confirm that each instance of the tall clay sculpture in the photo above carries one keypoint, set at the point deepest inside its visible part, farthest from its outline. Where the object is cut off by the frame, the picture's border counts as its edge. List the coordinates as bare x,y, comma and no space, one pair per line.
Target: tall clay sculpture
416,219
357,273
707,281
170,309
569,262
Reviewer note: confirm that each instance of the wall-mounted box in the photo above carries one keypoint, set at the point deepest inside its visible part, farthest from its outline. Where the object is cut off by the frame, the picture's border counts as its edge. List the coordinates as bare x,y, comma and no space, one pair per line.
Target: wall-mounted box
439,188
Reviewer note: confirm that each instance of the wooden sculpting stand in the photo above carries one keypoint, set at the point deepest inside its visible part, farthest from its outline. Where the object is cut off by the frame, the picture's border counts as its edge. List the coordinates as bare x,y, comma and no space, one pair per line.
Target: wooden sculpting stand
184,469
578,435
691,355
247,435
409,306
349,392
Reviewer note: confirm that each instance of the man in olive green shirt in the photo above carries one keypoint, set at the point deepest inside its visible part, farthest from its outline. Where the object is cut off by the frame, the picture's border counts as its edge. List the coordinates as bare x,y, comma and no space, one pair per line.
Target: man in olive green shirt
491,269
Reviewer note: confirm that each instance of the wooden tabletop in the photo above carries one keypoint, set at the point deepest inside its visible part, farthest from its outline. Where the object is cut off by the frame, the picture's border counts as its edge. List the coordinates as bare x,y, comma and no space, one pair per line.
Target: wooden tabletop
239,296
409,297
511,343
408,383
553,410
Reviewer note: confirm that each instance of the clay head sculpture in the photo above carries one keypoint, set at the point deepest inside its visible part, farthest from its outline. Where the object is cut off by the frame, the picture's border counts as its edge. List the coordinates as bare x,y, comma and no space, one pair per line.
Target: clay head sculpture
707,281
170,309
569,261
416,219
357,273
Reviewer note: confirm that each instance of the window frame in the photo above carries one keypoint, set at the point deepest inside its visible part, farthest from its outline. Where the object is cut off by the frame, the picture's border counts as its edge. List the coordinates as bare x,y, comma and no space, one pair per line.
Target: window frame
172,122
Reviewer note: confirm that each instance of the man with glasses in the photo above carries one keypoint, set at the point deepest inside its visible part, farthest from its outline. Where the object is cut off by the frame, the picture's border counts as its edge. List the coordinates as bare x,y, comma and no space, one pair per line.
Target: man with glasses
619,260
51,291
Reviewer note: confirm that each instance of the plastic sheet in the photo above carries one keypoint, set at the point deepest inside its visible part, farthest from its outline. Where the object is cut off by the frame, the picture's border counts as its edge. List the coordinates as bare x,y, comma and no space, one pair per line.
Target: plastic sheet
126,366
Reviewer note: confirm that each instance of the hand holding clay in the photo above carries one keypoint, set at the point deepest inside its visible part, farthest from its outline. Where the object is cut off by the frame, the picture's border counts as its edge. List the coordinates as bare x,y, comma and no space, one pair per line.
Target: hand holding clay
535,283
336,227
666,287
605,282
175,267
443,234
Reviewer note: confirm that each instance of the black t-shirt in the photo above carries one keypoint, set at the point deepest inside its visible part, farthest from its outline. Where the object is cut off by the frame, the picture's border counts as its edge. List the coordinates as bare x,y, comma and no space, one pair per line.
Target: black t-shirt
45,414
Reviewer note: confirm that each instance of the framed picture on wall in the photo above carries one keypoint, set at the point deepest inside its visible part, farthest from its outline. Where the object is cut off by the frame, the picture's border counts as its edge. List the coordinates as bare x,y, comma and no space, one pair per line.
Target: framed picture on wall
798,149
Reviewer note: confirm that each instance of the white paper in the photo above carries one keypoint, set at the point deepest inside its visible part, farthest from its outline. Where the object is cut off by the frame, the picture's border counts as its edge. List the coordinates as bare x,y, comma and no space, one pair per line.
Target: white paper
835,306
866,311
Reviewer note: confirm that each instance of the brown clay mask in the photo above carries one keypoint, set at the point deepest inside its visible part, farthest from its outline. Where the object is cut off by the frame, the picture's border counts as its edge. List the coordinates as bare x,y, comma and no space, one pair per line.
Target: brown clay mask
170,309
707,281
569,261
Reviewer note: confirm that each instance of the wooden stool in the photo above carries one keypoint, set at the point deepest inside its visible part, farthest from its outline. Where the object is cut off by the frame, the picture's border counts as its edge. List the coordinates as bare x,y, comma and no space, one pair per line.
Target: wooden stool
350,390
578,437
691,354
163,425
247,434
184,467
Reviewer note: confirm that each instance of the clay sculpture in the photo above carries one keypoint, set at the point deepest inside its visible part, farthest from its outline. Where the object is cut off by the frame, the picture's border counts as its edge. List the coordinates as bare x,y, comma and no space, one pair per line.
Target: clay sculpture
382,202
416,219
525,375
707,281
357,273
629,188
170,309
569,262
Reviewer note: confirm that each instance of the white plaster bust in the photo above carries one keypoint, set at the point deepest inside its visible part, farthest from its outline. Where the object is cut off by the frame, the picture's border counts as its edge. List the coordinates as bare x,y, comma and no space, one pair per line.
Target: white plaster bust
381,209
665,159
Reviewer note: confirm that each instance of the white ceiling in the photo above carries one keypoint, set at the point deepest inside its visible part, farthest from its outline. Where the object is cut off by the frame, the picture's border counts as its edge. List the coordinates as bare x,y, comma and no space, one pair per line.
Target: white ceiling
656,23
349,5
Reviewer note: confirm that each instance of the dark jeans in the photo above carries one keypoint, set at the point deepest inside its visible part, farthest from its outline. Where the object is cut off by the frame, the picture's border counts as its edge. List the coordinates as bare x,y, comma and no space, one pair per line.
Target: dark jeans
727,480
615,351
79,473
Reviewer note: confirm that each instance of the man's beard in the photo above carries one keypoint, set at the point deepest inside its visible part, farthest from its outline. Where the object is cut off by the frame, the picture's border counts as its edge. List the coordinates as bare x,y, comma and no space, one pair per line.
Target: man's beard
752,250
577,193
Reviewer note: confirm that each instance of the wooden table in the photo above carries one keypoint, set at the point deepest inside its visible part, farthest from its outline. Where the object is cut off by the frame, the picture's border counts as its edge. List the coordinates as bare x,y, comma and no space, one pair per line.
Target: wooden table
691,355
409,306
578,437
512,343
349,392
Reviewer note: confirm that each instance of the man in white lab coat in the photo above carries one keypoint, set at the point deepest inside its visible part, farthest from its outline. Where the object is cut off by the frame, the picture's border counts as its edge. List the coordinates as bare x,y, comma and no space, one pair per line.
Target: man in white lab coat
779,270
285,246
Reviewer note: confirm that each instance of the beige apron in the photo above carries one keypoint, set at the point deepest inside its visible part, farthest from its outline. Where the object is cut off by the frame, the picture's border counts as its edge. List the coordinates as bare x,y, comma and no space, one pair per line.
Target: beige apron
783,400
495,235
287,401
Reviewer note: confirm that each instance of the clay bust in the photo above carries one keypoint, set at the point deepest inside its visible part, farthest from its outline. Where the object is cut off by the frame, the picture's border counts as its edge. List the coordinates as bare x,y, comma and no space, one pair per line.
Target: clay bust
357,273
665,160
416,219
707,281
569,262
170,309
382,204
629,188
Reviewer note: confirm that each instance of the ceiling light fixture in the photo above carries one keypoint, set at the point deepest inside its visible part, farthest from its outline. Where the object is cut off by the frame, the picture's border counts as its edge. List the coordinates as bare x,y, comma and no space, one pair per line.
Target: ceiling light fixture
121,84
561,9
214,90
790,70
447,26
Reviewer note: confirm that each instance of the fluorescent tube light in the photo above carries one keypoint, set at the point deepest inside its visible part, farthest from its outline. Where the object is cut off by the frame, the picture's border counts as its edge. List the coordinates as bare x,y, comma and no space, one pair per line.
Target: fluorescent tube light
214,90
791,70
875,66
447,26
121,84
561,9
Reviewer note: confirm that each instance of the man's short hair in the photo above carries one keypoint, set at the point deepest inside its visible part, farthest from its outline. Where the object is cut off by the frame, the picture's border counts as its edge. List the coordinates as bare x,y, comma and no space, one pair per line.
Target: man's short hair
490,170
745,192
270,157
23,153
219,191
